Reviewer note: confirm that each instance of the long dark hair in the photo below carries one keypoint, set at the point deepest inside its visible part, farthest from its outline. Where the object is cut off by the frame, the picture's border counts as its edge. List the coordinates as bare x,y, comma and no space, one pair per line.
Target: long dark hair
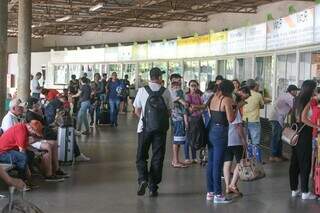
305,95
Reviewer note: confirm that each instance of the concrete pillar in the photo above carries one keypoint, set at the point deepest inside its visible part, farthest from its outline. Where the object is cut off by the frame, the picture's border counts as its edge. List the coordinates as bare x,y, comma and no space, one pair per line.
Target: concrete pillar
24,48
3,54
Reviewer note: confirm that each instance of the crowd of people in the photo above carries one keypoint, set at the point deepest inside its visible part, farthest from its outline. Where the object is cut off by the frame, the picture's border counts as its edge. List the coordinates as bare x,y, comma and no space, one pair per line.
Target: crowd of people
230,111
29,130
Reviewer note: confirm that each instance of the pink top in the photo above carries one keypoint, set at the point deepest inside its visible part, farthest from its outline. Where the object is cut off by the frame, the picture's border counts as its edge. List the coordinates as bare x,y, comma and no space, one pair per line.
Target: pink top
194,99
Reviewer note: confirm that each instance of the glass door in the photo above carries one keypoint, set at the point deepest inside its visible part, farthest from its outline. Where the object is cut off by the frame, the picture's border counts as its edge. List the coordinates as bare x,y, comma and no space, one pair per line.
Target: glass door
207,73
226,68
191,71
175,67
286,72
243,69
115,68
163,65
130,70
264,76
143,70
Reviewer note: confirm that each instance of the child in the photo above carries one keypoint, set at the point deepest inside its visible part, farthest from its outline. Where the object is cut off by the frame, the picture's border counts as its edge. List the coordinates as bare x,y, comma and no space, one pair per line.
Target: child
179,123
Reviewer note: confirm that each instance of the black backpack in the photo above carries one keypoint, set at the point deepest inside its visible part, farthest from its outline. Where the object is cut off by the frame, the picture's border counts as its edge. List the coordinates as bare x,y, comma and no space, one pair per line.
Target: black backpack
156,115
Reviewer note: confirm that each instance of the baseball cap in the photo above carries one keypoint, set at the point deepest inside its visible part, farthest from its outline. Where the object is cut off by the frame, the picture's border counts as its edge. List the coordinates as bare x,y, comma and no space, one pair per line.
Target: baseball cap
251,83
16,102
37,127
292,88
156,72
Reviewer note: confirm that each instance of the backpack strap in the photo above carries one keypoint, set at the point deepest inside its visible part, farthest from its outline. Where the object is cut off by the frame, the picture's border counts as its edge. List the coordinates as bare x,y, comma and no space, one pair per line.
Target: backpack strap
150,92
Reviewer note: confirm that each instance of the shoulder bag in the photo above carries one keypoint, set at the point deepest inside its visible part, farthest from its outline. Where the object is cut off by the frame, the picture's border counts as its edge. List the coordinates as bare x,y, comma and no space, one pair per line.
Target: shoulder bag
290,135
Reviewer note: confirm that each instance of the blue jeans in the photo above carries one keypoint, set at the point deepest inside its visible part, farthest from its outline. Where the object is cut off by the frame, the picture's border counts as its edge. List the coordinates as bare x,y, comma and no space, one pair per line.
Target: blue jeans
19,159
218,142
83,115
254,130
276,142
114,109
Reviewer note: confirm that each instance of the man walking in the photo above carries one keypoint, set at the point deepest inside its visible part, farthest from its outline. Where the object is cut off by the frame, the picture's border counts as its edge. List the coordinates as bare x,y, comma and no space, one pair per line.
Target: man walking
35,86
152,104
283,105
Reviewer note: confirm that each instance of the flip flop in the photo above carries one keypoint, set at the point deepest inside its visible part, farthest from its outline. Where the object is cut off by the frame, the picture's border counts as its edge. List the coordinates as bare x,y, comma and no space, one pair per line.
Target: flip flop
178,165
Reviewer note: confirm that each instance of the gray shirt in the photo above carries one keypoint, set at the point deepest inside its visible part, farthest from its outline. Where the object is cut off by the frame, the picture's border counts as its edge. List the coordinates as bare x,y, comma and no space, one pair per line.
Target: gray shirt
282,107
233,135
85,93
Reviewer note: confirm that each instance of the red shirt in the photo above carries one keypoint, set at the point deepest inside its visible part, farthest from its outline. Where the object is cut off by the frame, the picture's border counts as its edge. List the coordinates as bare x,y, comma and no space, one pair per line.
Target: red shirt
315,115
15,137
52,94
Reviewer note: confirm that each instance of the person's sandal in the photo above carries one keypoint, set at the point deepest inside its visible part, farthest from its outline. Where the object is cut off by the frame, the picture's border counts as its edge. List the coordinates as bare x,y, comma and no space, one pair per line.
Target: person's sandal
178,165
234,190
187,162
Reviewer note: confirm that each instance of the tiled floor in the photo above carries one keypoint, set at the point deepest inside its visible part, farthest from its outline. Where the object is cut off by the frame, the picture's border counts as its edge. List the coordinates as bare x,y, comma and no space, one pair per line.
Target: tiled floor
108,184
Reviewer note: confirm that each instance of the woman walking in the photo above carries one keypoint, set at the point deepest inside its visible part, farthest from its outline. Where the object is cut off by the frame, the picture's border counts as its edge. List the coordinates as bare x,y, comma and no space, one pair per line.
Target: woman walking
223,111
300,165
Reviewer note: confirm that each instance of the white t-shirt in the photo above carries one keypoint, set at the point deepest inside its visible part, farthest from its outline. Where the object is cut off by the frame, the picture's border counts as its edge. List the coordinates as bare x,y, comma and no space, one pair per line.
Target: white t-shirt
34,86
141,99
8,121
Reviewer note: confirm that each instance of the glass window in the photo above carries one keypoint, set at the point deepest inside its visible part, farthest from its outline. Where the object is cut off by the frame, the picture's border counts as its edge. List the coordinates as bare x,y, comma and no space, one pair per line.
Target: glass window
286,72
207,73
61,73
115,68
263,75
175,67
305,67
163,65
191,71
130,70
143,70
226,68
243,69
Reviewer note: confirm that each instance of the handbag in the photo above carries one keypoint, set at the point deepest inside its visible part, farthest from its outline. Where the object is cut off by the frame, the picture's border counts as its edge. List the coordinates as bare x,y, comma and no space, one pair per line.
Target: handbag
290,135
250,169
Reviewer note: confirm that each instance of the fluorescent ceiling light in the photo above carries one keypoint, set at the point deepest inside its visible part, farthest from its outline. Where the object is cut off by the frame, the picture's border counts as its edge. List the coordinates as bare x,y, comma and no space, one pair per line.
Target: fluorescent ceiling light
65,18
96,7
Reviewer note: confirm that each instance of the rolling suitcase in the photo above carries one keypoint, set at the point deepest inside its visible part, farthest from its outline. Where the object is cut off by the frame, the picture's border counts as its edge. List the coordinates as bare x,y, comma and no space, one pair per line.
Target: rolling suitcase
65,144
104,117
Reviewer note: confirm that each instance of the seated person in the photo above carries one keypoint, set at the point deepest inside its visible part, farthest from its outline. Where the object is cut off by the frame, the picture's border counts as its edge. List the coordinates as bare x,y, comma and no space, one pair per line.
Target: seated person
50,94
14,143
50,133
12,117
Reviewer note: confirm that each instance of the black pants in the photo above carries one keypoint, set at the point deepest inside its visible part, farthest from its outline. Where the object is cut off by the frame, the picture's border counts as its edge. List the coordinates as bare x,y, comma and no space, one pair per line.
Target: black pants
154,174
300,164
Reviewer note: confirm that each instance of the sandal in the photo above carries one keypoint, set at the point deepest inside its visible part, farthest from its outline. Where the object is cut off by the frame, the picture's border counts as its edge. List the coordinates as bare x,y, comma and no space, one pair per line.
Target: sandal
234,190
178,165
187,162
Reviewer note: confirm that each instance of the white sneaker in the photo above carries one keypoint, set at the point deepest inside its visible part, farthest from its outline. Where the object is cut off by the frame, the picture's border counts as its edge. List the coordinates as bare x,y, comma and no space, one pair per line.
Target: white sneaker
296,193
308,196
82,158
77,133
221,199
210,196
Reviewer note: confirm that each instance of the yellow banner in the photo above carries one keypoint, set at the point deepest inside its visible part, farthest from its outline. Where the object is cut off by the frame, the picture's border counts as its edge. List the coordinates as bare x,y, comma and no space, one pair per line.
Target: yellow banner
219,37
205,39
187,41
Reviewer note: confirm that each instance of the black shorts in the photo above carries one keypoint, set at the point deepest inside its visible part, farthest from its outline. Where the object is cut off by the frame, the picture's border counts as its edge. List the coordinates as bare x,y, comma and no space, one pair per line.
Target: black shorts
233,151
